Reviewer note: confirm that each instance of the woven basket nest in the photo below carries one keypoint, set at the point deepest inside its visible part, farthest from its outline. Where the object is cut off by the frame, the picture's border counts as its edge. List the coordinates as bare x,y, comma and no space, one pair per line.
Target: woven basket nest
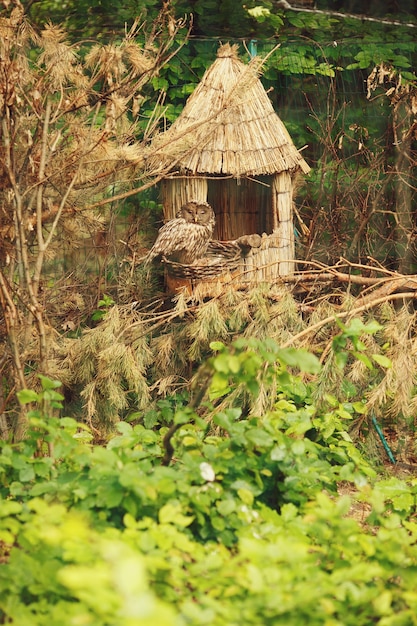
220,257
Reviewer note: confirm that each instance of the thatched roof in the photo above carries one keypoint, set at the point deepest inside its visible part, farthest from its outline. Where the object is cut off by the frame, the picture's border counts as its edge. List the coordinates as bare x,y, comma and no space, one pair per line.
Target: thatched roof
228,125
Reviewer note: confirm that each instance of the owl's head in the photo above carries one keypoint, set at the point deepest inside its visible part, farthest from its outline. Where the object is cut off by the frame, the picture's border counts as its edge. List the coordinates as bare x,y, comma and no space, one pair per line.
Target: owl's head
197,212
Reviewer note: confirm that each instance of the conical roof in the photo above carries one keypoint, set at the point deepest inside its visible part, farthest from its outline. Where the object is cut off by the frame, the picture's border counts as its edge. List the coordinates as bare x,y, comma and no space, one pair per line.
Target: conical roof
229,127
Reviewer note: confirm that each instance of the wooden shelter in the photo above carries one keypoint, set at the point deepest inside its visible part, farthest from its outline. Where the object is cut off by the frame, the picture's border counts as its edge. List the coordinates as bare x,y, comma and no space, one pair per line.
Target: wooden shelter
230,148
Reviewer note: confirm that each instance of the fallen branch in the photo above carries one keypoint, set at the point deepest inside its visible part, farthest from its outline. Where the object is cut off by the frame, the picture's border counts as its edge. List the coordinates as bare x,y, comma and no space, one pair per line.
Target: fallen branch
385,285
351,313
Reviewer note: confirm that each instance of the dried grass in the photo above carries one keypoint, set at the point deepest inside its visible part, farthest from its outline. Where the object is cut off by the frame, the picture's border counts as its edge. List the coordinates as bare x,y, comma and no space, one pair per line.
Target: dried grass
133,357
394,395
209,324
109,363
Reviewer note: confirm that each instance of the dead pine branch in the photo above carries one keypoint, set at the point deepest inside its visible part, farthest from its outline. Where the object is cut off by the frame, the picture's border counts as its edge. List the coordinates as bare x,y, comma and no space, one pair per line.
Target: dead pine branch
348,314
66,151
377,286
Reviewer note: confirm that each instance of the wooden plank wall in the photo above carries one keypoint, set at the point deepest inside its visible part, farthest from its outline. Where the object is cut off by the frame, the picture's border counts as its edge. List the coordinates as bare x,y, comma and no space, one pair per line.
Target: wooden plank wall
177,191
242,207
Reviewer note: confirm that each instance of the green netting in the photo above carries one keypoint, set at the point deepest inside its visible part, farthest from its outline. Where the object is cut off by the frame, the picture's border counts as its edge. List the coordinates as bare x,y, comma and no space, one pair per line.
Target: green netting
351,201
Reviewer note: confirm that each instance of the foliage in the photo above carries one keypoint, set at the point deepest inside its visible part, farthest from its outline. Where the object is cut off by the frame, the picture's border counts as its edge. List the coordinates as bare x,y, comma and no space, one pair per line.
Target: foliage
64,571
363,180
142,366
96,20
241,523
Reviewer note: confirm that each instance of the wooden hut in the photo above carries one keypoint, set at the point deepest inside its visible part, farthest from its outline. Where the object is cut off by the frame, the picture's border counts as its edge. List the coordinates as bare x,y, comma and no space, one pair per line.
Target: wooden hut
230,148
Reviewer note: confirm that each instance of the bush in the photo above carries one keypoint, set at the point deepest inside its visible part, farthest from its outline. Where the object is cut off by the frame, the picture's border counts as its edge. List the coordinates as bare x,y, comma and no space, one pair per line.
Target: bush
244,525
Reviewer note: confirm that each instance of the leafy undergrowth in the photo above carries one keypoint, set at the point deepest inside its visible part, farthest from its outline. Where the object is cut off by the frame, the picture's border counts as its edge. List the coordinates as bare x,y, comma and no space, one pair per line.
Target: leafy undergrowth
239,519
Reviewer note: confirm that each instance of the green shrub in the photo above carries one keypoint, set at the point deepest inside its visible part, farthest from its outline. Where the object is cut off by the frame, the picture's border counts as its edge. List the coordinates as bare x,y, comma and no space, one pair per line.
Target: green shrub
243,525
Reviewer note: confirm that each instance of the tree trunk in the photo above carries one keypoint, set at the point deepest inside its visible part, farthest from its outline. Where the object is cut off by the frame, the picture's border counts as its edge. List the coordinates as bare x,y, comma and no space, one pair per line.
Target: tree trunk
402,121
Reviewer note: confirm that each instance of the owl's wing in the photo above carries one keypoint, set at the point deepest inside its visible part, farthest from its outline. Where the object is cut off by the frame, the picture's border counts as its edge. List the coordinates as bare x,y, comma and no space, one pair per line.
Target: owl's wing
172,237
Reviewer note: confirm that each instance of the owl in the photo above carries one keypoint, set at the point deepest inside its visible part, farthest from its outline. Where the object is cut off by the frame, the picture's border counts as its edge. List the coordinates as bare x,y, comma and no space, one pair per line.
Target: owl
185,238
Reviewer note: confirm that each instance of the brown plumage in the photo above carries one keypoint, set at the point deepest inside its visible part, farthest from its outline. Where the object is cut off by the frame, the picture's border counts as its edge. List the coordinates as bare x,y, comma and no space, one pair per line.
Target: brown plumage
185,238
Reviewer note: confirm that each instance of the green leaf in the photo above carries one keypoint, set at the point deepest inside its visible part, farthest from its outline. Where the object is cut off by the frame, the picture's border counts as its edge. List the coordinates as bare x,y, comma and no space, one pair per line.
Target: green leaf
359,407
184,415
217,346
172,514
25,396
227,363
382,603
301,359
298,447
219,386
26,474
106,301
246,496
9,507
364,358
226,507
52,396
279,453
341,359
160,83
382,360
404,502
124,428
246,486
48,383
259,437
223,420
372,327
151,418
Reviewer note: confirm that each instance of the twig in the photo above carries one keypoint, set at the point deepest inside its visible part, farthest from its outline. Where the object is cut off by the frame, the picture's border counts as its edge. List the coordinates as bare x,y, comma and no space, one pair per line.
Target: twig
203,379
352,16
355,311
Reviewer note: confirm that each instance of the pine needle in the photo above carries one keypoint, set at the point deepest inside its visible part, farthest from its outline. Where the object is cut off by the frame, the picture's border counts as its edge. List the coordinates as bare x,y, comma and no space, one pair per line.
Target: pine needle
208,325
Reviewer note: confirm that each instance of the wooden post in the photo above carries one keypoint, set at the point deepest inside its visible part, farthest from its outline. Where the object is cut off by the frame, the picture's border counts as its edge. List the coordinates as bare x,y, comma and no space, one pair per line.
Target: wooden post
284,225
176,191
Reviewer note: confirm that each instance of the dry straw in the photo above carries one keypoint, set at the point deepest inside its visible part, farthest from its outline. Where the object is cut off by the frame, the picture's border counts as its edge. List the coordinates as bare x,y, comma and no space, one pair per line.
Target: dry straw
229,126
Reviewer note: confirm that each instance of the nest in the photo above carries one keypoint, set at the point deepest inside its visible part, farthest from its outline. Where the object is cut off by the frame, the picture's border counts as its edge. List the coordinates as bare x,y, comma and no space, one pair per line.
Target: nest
220,257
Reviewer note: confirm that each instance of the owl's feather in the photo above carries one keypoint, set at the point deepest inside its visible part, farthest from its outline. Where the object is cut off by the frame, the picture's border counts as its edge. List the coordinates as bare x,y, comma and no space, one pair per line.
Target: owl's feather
185,239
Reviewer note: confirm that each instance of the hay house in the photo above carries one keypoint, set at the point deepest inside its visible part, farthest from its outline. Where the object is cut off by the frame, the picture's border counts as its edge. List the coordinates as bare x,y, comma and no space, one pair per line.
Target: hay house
230,148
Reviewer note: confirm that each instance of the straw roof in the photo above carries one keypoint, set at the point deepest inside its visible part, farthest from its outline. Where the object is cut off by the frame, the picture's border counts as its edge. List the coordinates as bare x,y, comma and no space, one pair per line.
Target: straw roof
228,125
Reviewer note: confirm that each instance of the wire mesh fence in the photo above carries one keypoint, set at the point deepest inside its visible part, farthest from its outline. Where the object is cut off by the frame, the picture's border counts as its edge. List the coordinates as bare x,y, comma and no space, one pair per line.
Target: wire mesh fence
349,204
